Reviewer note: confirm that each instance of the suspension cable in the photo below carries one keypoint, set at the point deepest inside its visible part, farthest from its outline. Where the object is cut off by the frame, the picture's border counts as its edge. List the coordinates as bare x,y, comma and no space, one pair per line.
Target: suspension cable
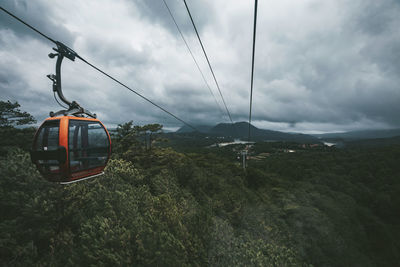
252,63
29,26
208,61
194,59
101,71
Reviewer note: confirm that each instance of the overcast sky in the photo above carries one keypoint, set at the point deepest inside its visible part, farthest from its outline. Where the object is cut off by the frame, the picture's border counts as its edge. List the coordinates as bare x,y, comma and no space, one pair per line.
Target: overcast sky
321,65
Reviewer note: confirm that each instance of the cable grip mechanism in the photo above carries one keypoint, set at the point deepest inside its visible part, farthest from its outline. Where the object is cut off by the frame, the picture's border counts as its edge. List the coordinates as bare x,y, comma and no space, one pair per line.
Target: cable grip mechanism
73,107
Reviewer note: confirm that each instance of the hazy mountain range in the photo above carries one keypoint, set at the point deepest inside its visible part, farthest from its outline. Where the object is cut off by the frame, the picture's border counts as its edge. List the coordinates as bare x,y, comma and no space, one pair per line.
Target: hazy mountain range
240,130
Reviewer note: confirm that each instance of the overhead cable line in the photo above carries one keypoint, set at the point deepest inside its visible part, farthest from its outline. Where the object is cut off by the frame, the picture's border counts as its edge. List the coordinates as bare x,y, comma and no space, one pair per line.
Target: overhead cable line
138,94
252,63
190,51
101,71
29,26
208,61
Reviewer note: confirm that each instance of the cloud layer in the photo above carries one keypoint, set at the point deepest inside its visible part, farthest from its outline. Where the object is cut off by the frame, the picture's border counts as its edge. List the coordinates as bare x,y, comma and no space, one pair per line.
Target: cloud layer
320,65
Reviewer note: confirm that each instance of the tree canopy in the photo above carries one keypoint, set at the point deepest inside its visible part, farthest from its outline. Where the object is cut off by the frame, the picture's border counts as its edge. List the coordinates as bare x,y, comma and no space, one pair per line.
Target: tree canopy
317,207
11,115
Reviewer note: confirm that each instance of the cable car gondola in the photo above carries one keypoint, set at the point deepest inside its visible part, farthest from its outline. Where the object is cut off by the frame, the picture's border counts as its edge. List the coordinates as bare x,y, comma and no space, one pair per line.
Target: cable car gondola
69,147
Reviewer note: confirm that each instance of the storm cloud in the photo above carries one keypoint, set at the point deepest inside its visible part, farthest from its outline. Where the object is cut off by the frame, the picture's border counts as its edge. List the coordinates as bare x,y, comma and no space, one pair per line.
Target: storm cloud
320,65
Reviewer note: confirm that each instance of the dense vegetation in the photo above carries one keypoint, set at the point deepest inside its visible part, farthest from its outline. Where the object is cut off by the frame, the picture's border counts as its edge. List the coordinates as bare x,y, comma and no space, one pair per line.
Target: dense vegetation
157,206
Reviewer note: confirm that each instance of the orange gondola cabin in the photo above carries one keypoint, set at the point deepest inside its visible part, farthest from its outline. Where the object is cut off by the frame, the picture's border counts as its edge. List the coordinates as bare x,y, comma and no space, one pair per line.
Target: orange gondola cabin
68,149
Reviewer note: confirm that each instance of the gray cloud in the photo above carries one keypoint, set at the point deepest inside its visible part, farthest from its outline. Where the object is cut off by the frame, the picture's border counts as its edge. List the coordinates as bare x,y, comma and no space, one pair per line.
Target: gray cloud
37,13
341,74
155,12
320,65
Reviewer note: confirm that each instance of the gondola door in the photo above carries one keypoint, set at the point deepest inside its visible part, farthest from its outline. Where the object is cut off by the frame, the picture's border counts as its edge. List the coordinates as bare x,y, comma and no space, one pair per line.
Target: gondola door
88,147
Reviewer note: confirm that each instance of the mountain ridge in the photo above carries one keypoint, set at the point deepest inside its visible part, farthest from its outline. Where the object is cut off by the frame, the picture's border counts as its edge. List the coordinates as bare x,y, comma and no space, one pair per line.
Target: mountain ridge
240,130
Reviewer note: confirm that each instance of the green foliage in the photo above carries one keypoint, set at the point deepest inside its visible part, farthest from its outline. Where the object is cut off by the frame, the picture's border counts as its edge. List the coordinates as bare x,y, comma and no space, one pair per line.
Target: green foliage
11,115
158,207
130,138
11,137
230,249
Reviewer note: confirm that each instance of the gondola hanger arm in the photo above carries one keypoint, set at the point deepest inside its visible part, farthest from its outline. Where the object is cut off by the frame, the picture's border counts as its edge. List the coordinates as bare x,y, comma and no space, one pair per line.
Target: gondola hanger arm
73,107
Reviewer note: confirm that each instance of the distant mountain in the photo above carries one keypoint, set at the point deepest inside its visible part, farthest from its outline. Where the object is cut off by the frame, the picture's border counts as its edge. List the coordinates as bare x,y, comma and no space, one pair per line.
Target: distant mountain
356,135
201,128
240,130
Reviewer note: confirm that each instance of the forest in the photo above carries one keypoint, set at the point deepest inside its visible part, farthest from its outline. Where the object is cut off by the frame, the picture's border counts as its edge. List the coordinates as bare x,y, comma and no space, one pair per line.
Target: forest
163,202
